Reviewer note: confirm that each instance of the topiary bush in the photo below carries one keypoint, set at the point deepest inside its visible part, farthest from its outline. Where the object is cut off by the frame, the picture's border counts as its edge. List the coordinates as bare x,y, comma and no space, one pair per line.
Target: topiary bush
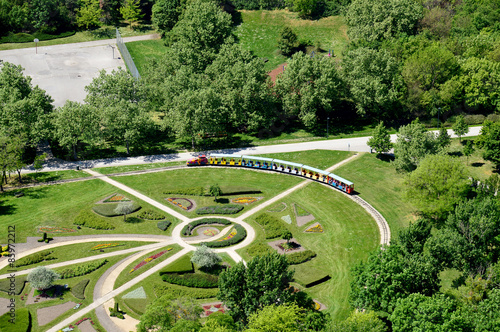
108,209
91,220
82,269
78,290
273,227
35,258
241,234
220,209
196,191
300,257
148,214
188,229
163,225
196,280
175,292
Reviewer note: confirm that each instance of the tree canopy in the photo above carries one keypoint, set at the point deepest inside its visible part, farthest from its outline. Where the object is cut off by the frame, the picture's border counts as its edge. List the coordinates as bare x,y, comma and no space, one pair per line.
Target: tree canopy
42,278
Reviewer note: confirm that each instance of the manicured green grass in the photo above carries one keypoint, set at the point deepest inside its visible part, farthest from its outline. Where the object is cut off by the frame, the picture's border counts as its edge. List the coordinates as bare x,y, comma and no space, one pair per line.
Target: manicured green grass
145,50
154,184
380,185
259,32
131,168
58,205
40,177
350,233
478,167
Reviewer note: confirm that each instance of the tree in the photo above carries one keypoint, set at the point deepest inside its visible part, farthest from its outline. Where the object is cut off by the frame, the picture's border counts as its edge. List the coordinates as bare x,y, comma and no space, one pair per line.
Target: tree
305,8
205,257
185,325
89,14
11,150
468,149
42,278
479,80
381,140
38,162
437,185
309,88
215,191
74,123
374,80
271,318
287,41
392,274
219,322
163,314
287,235
489,141
438,313
460,128
413,143
165,14
131,11
359,321
265,281
443,138
380,19
124,208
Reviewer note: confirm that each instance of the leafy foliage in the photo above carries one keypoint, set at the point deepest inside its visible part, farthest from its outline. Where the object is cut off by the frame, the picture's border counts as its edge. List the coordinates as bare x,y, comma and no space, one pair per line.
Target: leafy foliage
165,14
35,258
273,226
42,278
381,140
197,280
82,269
91,220
287,41
220,209
163,225
205,257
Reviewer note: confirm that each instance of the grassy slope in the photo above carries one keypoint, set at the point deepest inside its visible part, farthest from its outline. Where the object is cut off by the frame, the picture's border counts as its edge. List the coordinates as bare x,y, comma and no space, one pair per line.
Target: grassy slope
129,168
58,205
142,51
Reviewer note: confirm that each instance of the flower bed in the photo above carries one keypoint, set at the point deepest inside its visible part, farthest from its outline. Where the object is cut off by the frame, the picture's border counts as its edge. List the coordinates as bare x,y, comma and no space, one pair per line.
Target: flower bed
116,198
230,236
149,259
188,229
105,246
183,203
244,200
210,232
53,229
237,235
210,309
315,229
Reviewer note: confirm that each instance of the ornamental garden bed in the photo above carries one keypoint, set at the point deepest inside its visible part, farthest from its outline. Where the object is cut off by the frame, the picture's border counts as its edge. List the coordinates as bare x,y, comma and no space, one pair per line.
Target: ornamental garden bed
302,215
281,246
314,228
245,200
185,204
189,228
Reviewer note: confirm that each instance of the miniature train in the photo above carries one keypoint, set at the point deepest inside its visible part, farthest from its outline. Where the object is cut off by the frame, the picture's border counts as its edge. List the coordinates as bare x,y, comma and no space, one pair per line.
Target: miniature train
234,160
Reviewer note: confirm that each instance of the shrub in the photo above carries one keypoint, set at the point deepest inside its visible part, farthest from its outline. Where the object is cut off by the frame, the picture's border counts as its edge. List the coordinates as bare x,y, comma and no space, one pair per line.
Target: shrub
22,37
196,191
493,117
35,258
220,209
258,249
91,220
19,285
163,225
23,321
474,119
241,234
273,226
109,209
82,269
182,265
196,280
186,231
148,214
300,257
175,292
78,290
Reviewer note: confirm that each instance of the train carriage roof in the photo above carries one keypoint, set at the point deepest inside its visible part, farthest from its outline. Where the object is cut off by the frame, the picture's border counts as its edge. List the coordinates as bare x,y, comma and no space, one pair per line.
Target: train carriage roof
312,169
257,158
289,163
338,178
224,155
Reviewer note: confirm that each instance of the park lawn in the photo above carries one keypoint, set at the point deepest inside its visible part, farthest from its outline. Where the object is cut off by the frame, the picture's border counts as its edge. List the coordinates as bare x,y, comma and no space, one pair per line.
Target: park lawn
58,205
478,167
126,276
78,250
154,184
41,177
259,31
349,235
68,296
144,50
131,168
379,184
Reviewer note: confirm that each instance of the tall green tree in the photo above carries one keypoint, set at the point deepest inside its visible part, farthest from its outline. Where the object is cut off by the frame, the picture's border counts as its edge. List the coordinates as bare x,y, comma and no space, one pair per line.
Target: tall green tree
11,155
460,128
205,257
374,80
42,278
468,149
287,41
166,13
265,281
359,321
163,314
443,138
489,141
480,79
89,14
381,140
271,318
437,185
131,11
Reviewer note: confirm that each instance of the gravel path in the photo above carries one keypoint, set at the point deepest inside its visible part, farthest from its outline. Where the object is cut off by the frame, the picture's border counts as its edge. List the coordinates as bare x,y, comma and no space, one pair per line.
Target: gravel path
48,314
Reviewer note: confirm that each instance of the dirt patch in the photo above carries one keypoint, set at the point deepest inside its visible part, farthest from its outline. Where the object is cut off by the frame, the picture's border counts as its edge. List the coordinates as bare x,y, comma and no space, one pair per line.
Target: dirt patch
86,326
275,72
302,220
3,306
276,246
47,315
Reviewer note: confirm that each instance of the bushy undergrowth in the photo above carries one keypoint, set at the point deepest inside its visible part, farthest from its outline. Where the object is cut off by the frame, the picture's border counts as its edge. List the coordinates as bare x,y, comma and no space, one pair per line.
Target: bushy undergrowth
174,292
82,269
220,209
186,231
300,257
273,227
35,258
91,220
196,191
258,249
148,214
78,290
163,225
196,280
241,234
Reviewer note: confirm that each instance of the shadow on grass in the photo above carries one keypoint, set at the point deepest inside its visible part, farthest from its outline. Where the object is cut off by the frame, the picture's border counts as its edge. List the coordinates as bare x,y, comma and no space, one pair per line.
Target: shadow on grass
477,164
222,200
385,157
6,209
456,154
134,220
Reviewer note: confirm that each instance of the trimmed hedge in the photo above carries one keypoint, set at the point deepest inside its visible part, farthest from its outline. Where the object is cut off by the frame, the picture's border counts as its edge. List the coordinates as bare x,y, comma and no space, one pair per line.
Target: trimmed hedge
259,249
108,209
241,234
196,191
220,209
163,225
300,257
18,288
35,258
182,265
22,37
78,290
148,214
82,269
187,230
175,292
22,322
196,280
91,220
273,227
